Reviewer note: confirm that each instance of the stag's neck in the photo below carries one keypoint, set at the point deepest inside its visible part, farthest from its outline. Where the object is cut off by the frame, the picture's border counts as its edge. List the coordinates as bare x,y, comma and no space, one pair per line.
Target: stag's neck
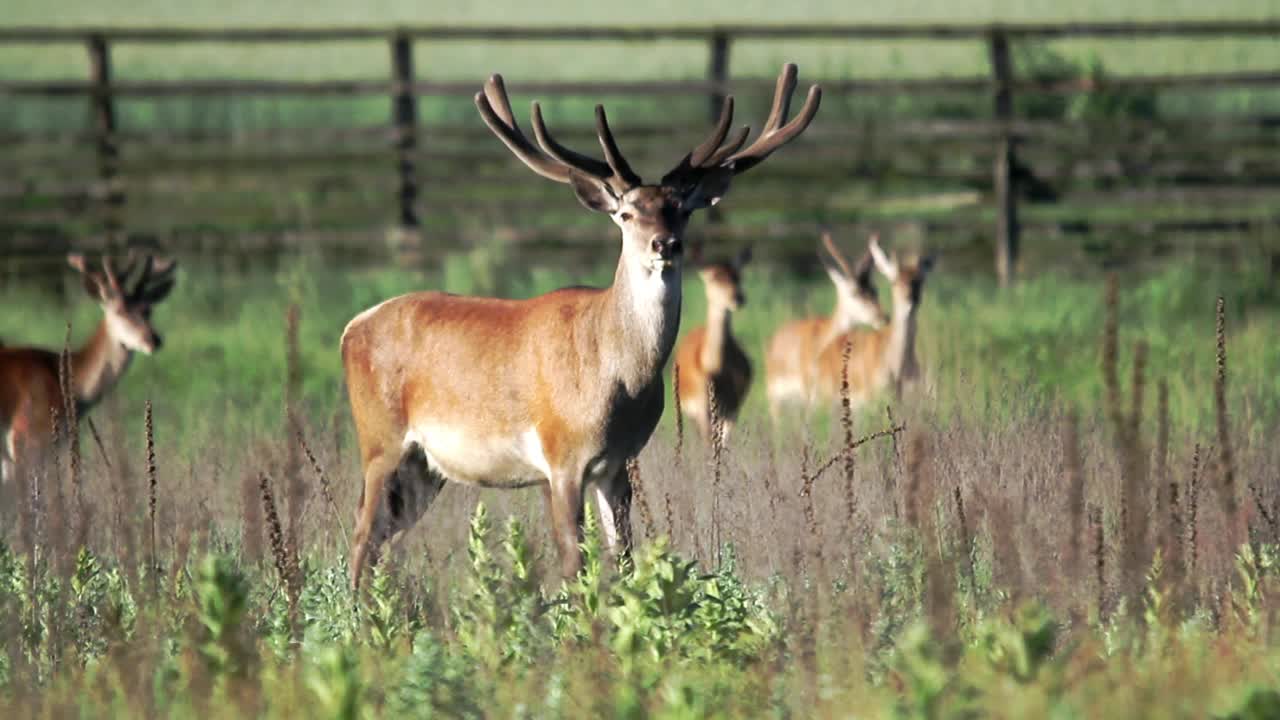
97,366
902,337
719,332
641,318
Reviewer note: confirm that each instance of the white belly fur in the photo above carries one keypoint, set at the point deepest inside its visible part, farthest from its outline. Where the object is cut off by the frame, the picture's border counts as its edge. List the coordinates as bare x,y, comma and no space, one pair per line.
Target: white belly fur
490,461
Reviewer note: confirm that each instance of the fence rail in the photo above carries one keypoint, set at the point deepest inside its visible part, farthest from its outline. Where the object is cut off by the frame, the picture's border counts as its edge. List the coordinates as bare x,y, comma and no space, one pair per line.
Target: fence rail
1006,134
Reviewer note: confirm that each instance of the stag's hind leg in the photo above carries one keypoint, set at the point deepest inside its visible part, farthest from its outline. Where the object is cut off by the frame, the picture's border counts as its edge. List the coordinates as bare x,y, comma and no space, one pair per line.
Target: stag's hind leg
397,491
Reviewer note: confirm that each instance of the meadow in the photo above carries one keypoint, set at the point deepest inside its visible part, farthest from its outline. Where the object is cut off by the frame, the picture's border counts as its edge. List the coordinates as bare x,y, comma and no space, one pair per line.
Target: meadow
1075,514
1034,541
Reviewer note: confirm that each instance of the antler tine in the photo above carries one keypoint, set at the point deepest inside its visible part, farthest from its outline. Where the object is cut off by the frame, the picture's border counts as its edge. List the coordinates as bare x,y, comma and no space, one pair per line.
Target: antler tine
502,122
774,135
563,154
113,280
708,147
157,279
730,147
621,170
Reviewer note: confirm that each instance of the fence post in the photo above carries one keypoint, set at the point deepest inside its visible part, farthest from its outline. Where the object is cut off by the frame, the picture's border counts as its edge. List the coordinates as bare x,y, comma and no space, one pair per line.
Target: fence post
103,111
1006,158
718,75
718,70
404,118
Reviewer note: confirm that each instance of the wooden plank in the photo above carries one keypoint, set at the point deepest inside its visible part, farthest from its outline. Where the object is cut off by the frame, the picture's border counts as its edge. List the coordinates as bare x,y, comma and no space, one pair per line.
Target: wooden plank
957,31
833,86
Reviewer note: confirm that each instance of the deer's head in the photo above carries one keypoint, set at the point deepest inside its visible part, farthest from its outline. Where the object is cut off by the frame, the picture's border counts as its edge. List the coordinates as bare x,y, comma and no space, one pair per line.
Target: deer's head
652,217
127,298
723,281
857,302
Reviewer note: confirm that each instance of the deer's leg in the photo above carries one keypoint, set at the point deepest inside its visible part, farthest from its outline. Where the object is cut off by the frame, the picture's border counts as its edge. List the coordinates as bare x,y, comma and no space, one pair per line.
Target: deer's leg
377,471
564,495
613,497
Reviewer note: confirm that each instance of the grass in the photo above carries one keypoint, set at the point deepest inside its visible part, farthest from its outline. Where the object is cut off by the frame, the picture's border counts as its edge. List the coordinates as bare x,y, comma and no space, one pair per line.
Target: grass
935,587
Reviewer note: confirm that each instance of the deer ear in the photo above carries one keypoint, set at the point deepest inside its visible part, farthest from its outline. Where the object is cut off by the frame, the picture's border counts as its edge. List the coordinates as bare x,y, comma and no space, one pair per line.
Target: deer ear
594,194
710,188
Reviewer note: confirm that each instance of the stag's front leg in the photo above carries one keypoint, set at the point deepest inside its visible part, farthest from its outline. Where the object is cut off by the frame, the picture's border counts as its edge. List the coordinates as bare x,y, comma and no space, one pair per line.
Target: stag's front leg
564,499
613,497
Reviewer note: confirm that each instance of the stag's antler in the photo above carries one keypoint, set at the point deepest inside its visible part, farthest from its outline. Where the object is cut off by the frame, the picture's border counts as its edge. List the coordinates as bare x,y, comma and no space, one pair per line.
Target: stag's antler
553,161
715,153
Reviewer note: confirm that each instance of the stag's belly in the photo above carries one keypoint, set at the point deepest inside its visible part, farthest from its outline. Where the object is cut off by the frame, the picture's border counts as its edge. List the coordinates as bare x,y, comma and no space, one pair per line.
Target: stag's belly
486,460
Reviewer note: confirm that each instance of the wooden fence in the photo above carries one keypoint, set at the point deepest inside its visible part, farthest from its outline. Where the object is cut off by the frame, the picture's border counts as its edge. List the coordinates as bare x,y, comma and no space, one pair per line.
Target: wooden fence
1004,135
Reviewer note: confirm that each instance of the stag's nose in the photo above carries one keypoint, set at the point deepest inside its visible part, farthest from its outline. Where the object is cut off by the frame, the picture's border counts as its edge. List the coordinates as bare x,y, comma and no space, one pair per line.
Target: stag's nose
666,247
156,342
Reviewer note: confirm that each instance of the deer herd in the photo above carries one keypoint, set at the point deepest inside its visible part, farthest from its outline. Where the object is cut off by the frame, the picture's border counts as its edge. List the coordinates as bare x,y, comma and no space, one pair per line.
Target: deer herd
557,391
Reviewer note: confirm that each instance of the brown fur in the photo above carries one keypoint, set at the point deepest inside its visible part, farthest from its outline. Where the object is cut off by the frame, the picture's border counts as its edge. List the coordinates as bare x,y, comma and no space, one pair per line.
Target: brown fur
710,356
30,392
791,360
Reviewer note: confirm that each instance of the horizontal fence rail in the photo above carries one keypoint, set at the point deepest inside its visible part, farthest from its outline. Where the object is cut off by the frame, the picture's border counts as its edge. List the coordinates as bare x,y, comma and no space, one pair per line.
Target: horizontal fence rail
1011,148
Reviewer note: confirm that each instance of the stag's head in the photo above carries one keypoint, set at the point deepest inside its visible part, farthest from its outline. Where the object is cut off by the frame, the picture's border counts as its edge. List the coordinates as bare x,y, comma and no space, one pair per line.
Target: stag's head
652,217
127,297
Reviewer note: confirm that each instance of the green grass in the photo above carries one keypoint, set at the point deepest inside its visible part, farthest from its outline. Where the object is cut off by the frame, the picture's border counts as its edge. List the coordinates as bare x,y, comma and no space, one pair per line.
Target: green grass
983,350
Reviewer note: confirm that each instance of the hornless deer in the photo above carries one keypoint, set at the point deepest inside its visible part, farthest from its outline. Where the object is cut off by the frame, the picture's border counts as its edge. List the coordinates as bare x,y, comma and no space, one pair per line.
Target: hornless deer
557,390
791,362
886,357
30,391
709,358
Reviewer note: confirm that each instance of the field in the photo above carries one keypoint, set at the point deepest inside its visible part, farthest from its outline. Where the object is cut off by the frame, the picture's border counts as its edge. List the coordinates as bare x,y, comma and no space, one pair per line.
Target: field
1075,514
876,594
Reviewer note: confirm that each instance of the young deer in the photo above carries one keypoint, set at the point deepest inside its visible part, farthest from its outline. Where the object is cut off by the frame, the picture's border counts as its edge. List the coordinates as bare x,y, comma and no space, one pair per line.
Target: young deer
558,390
709,357
30,391
791,360
884,357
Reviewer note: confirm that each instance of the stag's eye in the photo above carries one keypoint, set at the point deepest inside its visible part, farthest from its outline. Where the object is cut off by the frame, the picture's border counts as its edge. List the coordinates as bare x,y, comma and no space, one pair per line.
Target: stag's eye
624,217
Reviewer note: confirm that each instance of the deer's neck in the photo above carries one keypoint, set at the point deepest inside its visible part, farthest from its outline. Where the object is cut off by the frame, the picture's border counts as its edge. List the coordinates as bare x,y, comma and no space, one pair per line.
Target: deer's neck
902,336
719,332
641,318
97,366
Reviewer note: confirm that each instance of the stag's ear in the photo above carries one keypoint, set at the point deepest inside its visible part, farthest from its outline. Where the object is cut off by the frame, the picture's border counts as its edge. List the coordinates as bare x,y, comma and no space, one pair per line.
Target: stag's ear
594,194
710,188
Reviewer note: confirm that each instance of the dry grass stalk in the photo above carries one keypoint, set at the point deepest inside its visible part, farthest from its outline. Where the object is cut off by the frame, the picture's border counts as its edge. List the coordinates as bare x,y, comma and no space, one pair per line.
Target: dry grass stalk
890,486
297,489
1133,455
675,403
1075,495
1162,438
1099,558
1111,352
250,518
1193,513
152,481
717,464
326,491
807,478
846,421
72,417
966,539
1008,567
286,562
56,517
1173,540
637,492
1226,464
